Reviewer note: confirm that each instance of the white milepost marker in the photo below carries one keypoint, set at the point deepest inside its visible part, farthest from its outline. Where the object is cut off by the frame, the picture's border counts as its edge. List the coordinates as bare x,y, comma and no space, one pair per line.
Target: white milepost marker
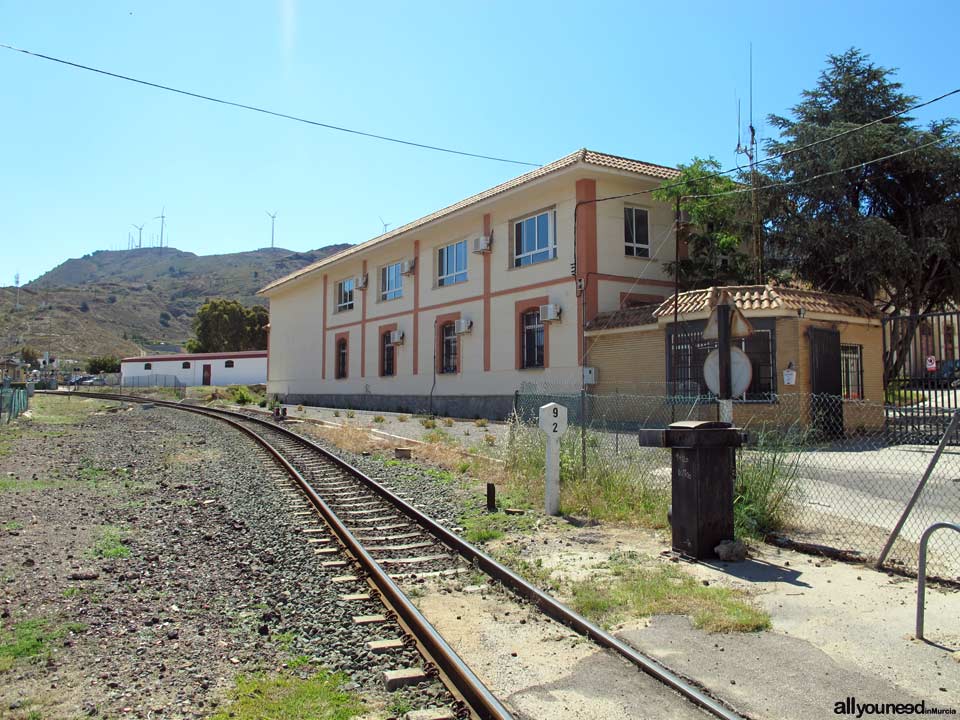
553,422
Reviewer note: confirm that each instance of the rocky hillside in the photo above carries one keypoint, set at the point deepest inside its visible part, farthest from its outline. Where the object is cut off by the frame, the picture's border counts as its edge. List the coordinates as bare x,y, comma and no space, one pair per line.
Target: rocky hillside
117,302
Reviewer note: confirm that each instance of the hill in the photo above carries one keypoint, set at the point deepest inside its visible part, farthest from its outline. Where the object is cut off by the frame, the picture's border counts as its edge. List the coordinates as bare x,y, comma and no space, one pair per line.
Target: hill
119,302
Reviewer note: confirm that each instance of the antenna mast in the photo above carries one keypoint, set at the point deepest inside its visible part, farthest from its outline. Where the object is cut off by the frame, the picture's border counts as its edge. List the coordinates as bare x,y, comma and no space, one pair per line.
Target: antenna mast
750,150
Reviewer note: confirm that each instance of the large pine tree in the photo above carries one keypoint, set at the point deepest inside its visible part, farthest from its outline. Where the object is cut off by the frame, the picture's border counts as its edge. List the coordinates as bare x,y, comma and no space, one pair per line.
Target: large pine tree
888,231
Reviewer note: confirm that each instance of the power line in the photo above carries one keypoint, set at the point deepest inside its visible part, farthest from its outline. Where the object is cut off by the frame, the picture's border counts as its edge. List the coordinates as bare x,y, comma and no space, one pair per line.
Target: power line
857,166
274,113
778,156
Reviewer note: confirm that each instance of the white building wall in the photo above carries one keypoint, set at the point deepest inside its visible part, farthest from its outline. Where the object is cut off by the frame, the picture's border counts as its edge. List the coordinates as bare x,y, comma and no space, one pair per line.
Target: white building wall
246,370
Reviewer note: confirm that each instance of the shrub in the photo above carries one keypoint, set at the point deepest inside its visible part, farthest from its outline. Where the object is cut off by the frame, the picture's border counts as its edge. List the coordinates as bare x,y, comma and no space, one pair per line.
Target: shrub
351,414
402,418
448,422
379,418
438,436
481,422
490,440
428,423
336,413
767,482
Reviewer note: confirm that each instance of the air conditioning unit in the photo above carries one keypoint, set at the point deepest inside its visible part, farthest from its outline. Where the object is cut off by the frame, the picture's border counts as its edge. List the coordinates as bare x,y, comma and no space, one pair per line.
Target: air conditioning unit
549,313
396,337
407,267
589,376
483,243
360,282
462,326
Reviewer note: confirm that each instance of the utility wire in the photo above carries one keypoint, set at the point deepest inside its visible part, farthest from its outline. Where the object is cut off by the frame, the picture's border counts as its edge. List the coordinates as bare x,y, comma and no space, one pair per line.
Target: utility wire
778,156
274,113
857,166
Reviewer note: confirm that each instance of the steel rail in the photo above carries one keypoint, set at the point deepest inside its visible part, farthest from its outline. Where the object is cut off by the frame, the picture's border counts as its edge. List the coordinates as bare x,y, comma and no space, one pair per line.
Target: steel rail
465,683
549,605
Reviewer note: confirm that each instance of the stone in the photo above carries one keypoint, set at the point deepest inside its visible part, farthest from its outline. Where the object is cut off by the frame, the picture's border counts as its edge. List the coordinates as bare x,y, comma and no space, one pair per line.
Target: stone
731,551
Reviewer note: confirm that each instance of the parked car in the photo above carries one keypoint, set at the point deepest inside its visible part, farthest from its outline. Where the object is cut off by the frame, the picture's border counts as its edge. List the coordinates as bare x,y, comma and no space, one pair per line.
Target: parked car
93,381
947,374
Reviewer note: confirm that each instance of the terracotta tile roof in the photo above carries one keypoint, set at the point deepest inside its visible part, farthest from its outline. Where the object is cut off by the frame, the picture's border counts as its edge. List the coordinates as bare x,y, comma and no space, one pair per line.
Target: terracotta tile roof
625,317
768,297
589,157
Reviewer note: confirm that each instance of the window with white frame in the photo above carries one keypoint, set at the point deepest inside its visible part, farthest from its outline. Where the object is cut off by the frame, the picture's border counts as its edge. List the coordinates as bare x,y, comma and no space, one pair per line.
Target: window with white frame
851,371
391,282
345,295
452,263
534,239
636,232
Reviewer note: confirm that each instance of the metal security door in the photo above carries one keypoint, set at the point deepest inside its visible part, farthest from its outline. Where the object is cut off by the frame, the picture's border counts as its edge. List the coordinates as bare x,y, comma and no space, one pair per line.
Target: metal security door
826,384
206,374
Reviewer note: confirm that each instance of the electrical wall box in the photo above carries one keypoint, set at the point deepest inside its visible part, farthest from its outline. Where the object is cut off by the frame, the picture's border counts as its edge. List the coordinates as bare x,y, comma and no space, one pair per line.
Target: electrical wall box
549,313
483,243
396,337
462,326
589,376
407,266
360,282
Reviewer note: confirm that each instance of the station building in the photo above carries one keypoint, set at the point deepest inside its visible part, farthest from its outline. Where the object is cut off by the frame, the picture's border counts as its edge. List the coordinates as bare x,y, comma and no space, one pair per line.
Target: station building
453,312
226,368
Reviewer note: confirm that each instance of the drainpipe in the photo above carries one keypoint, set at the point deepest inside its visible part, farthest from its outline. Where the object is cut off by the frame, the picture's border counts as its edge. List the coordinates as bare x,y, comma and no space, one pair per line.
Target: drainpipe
432,387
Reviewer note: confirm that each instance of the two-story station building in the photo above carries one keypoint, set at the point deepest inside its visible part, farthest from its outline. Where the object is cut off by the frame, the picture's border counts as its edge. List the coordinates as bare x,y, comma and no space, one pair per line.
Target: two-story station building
454,311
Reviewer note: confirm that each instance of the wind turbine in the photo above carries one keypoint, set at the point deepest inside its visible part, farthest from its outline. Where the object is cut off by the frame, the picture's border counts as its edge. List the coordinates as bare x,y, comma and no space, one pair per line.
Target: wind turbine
161,217
139,235
273,218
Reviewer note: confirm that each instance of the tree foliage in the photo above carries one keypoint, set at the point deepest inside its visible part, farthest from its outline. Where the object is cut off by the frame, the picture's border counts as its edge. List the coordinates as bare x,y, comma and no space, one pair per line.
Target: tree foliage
30,356
103,364
888,231
718,227
227,326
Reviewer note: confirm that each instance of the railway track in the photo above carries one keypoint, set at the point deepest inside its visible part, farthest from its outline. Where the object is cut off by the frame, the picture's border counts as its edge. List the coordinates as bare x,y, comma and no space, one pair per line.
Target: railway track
374,539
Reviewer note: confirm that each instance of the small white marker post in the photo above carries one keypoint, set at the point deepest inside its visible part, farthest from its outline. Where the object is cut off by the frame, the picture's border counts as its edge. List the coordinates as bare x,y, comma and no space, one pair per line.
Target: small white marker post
553,422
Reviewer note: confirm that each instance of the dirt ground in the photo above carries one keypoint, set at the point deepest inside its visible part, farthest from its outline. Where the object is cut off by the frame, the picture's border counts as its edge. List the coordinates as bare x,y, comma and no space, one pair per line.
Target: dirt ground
838,630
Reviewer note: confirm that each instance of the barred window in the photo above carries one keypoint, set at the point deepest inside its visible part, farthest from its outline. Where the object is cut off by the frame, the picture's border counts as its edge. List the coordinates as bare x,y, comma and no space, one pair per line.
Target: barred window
448,347
532,340
341,369
688,351
185,366
851,371
388,353
228,364
148,366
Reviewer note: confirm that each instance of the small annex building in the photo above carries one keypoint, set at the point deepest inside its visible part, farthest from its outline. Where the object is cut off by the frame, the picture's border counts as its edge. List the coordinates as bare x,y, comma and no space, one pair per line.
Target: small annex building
248,367
806,344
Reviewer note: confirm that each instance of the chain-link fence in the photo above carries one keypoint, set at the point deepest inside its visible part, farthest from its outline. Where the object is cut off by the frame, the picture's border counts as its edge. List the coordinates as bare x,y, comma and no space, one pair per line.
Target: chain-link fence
171,382
815,469
13,402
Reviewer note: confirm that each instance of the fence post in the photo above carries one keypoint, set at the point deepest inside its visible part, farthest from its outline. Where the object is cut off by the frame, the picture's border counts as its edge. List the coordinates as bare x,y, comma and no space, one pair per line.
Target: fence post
916,493
583,432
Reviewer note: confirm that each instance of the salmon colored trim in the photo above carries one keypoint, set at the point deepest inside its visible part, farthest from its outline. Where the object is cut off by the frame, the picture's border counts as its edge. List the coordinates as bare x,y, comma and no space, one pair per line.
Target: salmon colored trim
363,326
632,280
462,301
323,345
336,341
438,322
381,331
519,308
587,243
487,262
416,306
641,298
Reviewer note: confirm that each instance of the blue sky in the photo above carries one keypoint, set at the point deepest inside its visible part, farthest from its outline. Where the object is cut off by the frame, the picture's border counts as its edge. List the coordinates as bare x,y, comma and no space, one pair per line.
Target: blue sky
85,156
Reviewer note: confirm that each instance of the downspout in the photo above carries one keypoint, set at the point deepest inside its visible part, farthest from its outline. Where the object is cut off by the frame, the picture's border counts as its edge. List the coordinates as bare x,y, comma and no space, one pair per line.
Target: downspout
432,387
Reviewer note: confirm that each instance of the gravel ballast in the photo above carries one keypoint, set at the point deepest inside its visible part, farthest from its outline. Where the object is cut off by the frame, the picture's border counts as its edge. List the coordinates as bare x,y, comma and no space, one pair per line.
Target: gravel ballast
218,578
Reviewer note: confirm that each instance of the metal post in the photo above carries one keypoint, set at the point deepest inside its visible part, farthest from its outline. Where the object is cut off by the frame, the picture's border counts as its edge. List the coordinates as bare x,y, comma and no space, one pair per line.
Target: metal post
723,345
491,497
583,433
916,493
922,571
